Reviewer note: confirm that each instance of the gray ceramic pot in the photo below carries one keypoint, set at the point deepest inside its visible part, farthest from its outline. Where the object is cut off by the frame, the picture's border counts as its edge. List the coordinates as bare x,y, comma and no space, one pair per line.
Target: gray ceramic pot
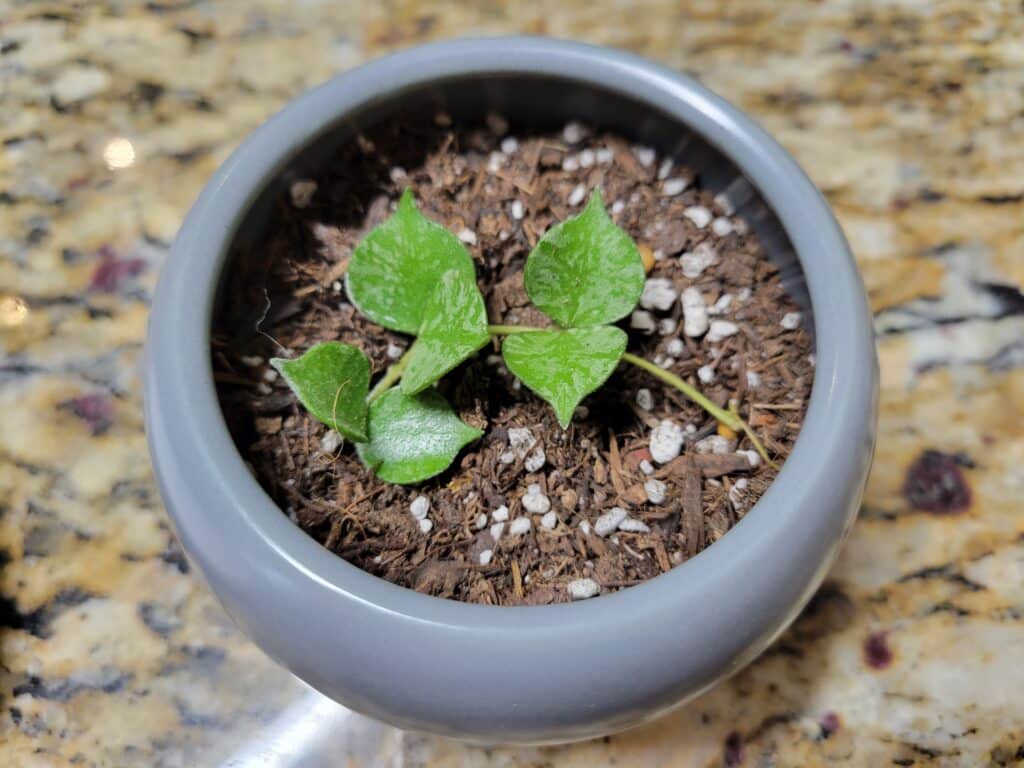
538,674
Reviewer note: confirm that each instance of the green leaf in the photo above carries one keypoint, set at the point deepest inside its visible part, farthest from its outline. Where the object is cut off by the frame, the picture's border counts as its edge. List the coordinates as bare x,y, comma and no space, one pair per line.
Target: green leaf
585,271
563,367
413,438
331,380
454,327
394,269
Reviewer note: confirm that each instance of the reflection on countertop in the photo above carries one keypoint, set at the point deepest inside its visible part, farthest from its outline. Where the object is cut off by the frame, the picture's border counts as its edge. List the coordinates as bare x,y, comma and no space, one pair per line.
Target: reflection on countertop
908,117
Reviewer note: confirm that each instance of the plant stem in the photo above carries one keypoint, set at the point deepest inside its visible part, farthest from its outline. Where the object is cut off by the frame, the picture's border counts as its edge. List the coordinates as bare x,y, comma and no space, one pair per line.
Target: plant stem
731,420
390,377
509,330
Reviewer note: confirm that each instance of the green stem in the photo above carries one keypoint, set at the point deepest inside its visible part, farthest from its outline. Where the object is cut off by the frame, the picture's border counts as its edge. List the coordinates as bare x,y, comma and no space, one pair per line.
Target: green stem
390,377
509,330
731,420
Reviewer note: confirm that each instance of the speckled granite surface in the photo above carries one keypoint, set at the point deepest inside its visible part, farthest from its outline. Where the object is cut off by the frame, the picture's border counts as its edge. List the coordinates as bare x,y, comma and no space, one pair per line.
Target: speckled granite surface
908,115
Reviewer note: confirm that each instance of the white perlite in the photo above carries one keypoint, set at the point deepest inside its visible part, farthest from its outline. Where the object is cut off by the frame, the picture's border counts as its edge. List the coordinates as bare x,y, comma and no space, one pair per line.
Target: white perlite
520,441
394,351
655,490
721,226
736,492
535,460
676,347
664,169
753,379
397,173
481,521
695,312
494,162
426,525
253,361
605,155
717,444
753,458
577,194
699,215
485,556
587,158
331,441
585,527
791,320
519,526
666,441
706,374
673,187
629,525
518,210
646,467
609,521
667,326
467,236
500,515
573,133
496,530
507,457
549,521
302,193
696,261
618,207
534,501
644,399
570,163
659,293
720,330
642,320
509,145
720,306
644,156
582,589
419,507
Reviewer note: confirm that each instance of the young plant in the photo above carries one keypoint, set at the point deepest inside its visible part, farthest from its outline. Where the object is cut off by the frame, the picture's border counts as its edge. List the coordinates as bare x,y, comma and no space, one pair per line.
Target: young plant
413,276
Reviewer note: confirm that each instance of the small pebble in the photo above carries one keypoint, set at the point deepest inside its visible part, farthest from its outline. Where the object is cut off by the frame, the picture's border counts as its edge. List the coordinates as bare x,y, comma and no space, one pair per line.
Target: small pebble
609,521
549,521
618,207
664,169
468,236
394,351
629,525
706,374
667,326
658,255
573,133
419,507
534,501
331,441
672,187
699,215
695,312
791,320
666,441
716,444
502,236
720,306
481,521
753,379
676,348
518,210
723,203
583,589
509,145
655,490
496,530
500,515
485,556
336,286
397,173
644,399
646,467
302,193
676,557
587,158
721,226
658,293
519,526
570,163
753,458
577,195
644,156
605,155
696,261
535,460
719,330
494,162
426,525
642,320
585,527
691,429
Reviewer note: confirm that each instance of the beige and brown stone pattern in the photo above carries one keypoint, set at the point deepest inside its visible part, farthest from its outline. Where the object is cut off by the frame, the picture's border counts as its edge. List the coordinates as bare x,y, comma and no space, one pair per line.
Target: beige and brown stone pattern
910,117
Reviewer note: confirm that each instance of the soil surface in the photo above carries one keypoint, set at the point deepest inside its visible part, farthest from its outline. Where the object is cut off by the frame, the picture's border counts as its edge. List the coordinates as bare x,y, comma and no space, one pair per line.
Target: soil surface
617,516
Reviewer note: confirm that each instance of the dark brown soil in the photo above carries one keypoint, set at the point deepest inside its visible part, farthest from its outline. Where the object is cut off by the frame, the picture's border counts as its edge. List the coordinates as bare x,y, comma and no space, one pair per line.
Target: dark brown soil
288,293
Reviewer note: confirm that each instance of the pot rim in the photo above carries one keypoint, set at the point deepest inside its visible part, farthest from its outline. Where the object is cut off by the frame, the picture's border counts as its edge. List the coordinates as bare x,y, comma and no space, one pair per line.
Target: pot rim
181,396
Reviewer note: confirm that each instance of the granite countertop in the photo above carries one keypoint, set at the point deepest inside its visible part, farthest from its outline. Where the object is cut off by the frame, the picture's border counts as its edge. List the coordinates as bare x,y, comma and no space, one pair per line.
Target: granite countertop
909,117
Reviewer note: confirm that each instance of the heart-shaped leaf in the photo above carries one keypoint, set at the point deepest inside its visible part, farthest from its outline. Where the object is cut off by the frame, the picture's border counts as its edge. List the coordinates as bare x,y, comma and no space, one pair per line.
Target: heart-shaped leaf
331,380
413,437
454,327
563,367
394,269
585,271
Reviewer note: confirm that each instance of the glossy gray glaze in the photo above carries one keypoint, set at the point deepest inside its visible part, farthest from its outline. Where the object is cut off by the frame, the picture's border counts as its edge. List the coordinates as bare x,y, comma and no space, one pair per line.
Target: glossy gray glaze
488,674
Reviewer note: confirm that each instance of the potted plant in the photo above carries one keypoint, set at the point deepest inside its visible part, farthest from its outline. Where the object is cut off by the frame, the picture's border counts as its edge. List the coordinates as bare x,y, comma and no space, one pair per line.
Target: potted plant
474,671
